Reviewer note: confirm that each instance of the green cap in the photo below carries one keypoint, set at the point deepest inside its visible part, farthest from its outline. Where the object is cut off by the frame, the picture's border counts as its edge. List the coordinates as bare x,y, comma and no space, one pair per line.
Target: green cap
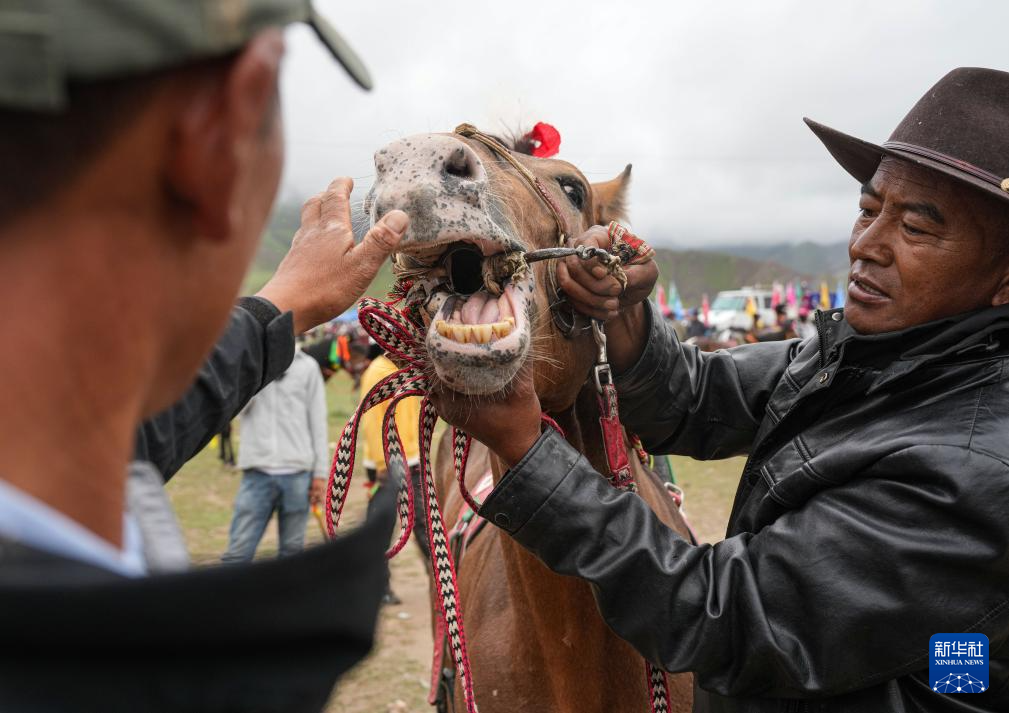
44,44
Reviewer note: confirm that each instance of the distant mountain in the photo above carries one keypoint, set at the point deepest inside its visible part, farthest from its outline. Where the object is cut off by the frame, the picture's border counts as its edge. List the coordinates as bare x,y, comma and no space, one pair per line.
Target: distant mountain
821,260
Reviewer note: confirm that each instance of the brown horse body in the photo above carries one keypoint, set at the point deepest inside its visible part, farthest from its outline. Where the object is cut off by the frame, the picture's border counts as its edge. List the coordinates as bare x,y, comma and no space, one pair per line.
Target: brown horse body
536,641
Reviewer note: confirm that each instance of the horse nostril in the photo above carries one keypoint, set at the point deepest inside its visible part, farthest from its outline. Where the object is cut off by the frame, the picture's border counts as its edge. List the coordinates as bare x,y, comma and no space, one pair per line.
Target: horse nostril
461,164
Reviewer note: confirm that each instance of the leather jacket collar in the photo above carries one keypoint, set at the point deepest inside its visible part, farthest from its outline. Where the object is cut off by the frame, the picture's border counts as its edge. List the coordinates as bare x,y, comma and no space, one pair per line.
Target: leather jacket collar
899,353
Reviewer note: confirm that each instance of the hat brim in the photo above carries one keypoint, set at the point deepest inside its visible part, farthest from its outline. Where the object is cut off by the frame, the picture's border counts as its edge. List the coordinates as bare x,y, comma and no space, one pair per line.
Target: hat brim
861,159
340,49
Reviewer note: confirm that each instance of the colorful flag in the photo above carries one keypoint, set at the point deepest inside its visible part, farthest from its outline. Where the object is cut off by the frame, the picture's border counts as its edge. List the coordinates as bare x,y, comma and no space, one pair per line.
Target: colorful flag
839,295
775,294
678,308
824,296
751,306
660,300
705,308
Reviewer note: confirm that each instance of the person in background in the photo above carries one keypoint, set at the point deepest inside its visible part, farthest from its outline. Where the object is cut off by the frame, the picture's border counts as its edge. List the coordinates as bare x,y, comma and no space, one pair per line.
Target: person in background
226,450
695,327
804,329
340,352
284,457
784,326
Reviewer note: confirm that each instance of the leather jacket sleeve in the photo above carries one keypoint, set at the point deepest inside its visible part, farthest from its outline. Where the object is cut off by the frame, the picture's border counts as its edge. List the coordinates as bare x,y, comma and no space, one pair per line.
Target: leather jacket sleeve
707,405
776,612
247,357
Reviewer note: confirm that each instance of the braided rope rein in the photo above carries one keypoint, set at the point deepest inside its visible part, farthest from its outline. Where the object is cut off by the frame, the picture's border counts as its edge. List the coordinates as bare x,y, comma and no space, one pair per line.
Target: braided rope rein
396,335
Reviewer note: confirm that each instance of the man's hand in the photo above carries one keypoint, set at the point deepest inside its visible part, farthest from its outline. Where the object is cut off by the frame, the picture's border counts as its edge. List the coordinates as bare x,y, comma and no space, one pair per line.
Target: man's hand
594,292
317,492
509,426
324,272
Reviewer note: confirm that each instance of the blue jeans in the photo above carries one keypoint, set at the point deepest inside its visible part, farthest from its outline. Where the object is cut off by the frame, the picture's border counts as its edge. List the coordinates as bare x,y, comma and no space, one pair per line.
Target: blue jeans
258,496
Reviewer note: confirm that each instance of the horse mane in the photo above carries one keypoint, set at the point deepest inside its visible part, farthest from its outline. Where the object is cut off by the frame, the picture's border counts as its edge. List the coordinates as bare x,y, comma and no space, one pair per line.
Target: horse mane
517,140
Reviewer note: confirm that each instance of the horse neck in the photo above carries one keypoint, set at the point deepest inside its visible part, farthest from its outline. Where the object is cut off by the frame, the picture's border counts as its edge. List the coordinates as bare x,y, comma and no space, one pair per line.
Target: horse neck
559,614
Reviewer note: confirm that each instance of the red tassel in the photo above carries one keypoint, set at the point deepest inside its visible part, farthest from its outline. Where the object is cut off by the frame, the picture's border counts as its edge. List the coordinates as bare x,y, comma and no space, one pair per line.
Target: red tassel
546,140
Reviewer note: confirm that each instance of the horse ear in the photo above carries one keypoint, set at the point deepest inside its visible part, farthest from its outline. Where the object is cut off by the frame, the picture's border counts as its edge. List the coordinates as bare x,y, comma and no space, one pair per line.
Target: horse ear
610,198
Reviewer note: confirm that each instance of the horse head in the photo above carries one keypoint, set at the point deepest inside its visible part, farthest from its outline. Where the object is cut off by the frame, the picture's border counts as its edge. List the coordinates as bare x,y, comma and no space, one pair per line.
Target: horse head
468,208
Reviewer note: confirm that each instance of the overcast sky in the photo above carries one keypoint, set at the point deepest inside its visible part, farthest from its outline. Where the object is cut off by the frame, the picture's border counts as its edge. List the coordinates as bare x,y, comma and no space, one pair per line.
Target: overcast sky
705,99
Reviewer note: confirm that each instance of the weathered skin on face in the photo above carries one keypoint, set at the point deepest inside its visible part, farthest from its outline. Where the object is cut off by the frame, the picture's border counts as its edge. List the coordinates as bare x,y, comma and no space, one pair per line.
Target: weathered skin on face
920,250
456,190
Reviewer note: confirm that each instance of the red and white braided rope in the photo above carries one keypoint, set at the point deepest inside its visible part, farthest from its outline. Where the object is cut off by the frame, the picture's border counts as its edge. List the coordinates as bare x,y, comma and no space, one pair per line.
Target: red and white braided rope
403,341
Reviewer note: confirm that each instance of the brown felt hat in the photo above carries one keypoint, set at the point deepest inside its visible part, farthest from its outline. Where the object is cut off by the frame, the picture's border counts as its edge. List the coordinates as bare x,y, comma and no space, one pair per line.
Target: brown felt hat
960,128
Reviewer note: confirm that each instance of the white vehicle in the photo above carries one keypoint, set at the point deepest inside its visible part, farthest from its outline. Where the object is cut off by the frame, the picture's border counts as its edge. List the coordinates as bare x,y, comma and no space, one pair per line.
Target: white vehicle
728,311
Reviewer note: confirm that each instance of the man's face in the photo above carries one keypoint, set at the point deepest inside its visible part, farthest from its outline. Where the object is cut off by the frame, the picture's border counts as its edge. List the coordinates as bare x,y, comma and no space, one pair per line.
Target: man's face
922,248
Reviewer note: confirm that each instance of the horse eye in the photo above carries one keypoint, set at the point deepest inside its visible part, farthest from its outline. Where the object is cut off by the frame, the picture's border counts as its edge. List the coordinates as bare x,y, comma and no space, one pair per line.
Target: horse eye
574,190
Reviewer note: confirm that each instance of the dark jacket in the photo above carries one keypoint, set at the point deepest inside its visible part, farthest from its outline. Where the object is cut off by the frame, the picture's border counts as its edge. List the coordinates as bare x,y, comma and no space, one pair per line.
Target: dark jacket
250,354
873,512
270,637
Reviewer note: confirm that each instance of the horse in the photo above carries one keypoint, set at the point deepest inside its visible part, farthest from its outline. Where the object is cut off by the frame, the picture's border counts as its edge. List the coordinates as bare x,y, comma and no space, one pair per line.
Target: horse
536,640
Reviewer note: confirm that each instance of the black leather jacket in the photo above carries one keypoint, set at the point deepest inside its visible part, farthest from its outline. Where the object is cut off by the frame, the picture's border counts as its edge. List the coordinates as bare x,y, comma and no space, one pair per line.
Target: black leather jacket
873,512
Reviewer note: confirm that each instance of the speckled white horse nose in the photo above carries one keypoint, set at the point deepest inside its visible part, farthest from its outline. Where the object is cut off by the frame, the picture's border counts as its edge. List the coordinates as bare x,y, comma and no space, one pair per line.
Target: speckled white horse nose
440,182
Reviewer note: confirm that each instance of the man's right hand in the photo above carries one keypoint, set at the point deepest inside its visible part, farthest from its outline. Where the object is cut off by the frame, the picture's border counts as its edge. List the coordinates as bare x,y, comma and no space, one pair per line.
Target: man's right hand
325,273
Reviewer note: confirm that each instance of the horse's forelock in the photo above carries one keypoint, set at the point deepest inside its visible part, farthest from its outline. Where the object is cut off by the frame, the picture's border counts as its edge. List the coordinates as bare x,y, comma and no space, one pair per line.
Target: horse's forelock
516,140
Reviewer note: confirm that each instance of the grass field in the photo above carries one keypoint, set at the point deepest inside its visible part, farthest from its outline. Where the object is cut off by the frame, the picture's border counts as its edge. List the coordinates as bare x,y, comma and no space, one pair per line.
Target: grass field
394,678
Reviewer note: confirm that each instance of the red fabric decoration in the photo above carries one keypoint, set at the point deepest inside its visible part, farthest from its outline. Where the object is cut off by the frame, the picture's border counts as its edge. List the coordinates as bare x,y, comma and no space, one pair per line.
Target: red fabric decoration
547,138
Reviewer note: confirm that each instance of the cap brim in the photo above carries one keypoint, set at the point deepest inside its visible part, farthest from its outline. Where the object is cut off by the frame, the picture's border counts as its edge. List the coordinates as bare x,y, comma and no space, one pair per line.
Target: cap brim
340,49
861,158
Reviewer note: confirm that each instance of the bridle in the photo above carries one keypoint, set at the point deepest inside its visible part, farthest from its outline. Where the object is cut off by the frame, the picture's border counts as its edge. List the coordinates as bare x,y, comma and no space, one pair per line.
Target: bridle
564,316
471,132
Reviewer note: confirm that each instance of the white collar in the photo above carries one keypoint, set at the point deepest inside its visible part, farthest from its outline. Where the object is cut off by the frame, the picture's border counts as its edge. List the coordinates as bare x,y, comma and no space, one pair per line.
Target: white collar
29,521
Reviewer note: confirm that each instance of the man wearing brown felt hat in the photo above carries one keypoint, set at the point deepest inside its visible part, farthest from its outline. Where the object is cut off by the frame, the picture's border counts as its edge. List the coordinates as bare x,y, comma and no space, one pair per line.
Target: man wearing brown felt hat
872,511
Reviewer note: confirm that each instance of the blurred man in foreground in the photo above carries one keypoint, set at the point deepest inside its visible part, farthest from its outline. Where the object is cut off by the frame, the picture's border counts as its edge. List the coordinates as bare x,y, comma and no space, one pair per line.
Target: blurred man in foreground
142,149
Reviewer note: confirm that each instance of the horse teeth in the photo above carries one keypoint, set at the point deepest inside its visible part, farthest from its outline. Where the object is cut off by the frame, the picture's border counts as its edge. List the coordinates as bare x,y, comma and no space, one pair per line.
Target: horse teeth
502,328
483,333
475,333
